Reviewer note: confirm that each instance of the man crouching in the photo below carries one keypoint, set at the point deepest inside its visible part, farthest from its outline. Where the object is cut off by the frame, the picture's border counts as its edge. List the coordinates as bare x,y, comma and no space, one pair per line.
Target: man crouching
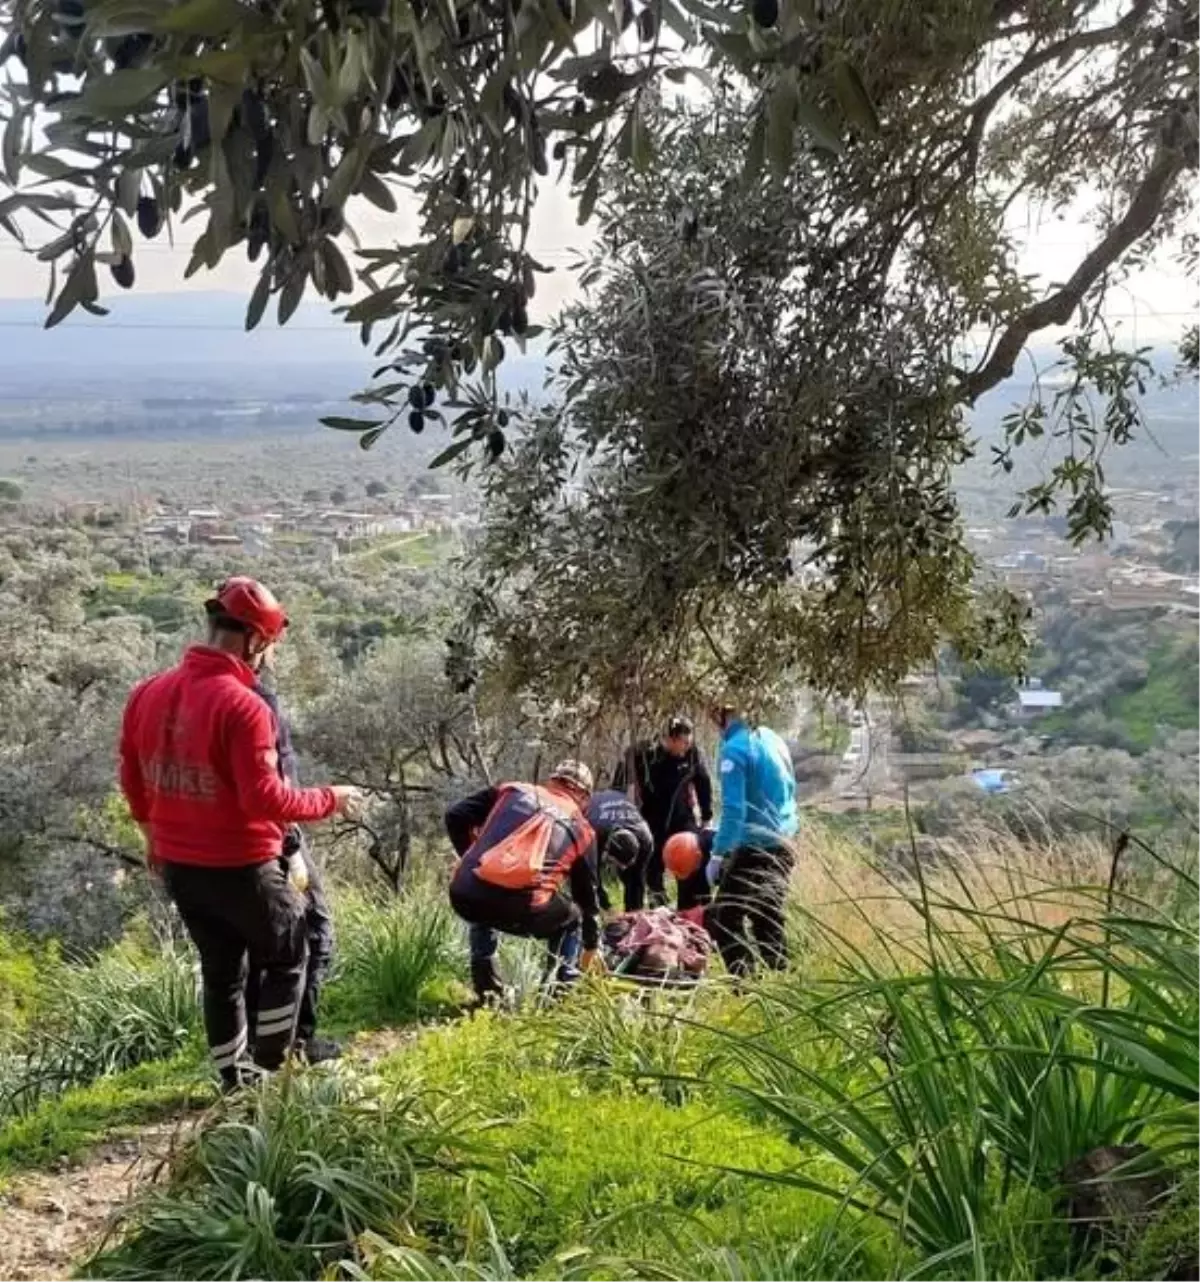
522,847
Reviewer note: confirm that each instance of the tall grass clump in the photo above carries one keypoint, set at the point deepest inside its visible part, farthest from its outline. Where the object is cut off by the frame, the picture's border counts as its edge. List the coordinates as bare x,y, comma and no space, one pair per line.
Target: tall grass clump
99,1017
967,1036
396,955
285,1183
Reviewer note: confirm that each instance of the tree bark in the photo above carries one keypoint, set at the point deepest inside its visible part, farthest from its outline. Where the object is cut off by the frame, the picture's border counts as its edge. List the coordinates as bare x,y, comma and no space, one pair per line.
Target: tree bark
1143,211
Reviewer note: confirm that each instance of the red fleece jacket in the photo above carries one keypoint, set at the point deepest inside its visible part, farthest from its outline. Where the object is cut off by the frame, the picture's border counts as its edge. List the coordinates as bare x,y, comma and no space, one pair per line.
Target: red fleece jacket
198,766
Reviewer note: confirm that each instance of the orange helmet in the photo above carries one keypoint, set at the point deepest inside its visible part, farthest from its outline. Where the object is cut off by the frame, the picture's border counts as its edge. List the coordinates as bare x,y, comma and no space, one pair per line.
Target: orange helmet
247,602
682,855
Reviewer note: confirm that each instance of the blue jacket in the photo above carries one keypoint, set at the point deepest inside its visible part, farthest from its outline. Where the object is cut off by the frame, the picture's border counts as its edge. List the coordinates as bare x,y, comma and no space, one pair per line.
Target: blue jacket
758,789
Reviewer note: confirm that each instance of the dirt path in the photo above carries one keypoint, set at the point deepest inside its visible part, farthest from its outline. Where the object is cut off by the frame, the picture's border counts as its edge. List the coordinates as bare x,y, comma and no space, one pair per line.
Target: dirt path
51,1221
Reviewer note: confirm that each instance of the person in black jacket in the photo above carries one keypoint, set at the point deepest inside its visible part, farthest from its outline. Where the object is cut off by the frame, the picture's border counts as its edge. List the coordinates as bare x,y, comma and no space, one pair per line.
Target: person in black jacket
624,840
685,857
318,920
527,866
671,783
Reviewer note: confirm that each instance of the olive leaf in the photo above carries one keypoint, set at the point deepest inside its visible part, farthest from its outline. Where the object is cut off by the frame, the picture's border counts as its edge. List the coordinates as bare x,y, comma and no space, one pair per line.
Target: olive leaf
259,298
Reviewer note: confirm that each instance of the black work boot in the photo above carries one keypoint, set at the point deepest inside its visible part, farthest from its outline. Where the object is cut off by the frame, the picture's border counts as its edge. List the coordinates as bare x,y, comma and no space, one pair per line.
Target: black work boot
319,1050
485,979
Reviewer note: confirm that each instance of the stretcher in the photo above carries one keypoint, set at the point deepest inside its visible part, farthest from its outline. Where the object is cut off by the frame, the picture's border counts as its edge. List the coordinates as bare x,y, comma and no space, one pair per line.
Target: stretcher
657,948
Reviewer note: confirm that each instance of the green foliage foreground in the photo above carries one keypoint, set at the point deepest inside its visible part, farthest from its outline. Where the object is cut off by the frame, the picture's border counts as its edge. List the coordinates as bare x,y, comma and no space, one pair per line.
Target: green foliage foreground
906,1105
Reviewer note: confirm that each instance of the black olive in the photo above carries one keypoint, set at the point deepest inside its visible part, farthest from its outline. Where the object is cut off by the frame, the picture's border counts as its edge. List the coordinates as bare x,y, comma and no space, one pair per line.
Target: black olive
428,394
538,147
416,421
765,12
149,217
122,272
416,397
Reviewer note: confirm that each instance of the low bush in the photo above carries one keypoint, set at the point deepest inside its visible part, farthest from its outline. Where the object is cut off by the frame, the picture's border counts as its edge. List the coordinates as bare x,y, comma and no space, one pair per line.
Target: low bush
99,1017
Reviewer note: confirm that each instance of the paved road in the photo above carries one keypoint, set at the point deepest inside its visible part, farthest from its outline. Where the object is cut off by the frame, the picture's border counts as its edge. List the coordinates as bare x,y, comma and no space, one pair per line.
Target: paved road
865,771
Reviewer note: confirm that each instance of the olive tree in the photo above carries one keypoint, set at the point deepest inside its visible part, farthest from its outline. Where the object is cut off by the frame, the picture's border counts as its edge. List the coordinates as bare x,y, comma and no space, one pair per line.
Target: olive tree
65,839
395,727
746,478
268,119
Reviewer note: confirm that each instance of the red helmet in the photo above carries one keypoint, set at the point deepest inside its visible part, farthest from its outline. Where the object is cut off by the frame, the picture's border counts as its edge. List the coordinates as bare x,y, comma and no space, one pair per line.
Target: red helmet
247,601
682,855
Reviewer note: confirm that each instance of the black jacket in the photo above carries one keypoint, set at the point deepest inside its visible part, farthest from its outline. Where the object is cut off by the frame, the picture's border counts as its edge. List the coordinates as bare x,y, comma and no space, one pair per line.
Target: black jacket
664,786
293,839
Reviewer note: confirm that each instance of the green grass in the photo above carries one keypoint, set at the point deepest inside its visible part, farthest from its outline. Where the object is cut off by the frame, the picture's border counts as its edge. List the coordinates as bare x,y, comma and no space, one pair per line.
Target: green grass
22,968
96,1018
86,1116
418,550
902,1104
1170,697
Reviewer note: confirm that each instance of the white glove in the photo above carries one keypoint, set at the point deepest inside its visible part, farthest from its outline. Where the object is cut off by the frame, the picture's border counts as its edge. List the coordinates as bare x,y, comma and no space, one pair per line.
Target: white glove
712,870
297,871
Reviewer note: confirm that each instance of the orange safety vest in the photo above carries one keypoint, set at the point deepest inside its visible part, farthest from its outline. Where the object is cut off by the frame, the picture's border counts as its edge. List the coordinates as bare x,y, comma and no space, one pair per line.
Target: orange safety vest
530,840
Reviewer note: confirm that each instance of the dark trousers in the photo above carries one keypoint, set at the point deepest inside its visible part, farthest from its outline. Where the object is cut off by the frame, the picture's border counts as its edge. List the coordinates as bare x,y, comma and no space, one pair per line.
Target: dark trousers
318,931
633,882
491,911
749,902
241,919
656,874
692,891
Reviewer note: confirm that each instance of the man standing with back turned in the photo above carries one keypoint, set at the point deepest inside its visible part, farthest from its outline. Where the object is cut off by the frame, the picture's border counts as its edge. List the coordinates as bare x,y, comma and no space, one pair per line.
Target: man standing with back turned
752,856
200,772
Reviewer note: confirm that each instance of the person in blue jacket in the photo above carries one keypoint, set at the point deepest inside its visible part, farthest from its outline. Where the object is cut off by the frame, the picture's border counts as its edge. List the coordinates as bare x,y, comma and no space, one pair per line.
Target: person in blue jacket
752,855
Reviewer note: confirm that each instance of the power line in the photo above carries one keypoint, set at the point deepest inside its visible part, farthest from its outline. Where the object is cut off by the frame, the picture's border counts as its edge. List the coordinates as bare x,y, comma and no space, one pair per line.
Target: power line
348,327
187,325
6,247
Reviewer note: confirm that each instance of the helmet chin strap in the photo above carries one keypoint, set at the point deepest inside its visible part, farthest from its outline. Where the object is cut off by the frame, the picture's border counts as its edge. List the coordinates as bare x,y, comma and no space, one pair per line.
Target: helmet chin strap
251,656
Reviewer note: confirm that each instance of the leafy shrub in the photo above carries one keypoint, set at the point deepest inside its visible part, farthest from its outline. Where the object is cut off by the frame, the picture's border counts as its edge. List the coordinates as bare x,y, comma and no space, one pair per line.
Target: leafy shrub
20,968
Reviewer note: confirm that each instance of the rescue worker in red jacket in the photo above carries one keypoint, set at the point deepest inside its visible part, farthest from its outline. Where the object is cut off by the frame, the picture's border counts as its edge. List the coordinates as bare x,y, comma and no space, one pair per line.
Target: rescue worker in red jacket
199,770
522,848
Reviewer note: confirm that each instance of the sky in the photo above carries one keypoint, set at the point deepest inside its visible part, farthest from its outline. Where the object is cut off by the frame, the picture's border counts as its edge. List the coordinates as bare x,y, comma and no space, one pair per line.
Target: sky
160,266
1153,307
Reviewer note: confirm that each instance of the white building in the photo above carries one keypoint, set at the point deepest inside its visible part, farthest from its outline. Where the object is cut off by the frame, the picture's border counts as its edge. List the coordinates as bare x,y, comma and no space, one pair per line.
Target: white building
1033,703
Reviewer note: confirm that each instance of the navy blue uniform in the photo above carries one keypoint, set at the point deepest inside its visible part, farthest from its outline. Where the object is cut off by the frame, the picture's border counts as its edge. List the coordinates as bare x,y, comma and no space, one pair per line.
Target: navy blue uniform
318,920
610,812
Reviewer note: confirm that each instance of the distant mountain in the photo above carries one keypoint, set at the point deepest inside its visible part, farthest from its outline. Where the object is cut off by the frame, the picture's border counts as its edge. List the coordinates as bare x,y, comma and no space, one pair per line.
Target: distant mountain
157,343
